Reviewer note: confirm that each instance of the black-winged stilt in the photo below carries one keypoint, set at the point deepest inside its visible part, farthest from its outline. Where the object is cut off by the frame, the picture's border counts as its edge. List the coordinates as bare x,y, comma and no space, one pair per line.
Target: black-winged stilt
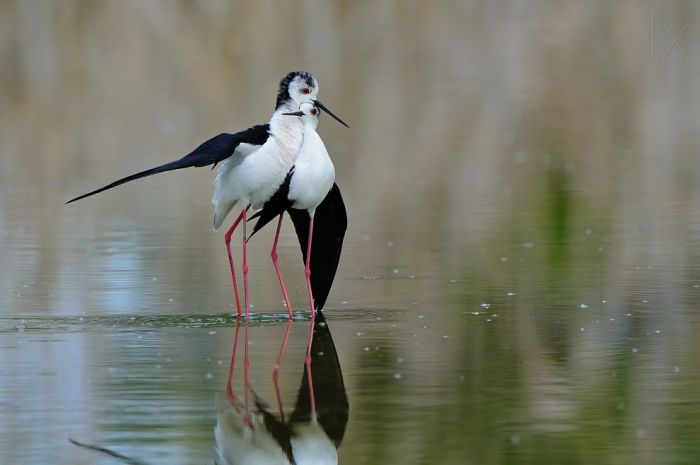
308,189
254,163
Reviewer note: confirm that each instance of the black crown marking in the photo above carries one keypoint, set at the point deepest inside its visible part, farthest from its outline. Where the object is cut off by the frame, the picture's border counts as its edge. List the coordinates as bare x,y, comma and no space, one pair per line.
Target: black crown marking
283,91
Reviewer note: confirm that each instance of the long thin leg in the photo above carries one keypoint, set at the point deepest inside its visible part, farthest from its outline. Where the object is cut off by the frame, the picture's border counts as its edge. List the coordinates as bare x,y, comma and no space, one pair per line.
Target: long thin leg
276,369
275,262
227,240
307,268
245,266
309,376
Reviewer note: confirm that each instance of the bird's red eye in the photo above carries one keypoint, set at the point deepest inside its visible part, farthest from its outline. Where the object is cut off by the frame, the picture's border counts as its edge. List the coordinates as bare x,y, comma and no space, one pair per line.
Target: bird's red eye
314,111
305,90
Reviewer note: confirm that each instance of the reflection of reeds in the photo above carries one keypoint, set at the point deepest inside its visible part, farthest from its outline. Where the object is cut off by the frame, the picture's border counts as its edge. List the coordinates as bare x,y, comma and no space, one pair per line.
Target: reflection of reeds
475,128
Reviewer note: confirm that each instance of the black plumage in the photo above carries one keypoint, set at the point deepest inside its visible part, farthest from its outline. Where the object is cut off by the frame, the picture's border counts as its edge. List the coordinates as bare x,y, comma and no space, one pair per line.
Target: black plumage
211,152
330,224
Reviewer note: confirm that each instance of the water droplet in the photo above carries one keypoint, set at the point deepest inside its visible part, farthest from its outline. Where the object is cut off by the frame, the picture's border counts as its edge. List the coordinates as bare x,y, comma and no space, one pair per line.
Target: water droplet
485,305
397,376
209,375
212,332
504,259
583,306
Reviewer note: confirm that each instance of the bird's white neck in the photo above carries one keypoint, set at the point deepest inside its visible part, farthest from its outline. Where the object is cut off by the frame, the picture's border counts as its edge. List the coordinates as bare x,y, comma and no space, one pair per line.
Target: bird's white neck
287,130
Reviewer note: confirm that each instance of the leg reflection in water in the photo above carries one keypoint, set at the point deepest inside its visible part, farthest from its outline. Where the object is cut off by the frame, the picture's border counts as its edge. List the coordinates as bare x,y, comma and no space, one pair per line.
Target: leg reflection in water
312,432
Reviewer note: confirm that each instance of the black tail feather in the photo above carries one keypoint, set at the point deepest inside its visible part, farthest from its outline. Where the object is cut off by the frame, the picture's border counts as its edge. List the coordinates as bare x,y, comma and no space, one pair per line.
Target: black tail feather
211,152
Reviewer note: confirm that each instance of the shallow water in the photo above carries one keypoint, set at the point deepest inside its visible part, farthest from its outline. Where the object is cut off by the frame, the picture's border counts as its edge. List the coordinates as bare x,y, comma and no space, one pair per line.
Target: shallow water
520,277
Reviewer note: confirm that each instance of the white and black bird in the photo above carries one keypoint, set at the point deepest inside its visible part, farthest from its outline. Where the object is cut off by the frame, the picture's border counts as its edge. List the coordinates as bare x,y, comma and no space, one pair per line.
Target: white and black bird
314,203
253,163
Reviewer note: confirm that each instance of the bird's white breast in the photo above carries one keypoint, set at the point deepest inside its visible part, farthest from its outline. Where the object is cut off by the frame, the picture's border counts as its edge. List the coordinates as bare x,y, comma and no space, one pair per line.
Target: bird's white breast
314,173
254,173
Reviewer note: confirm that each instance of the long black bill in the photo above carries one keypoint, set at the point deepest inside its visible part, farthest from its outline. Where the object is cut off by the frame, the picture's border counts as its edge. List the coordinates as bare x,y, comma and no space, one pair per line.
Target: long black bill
325,108
294,113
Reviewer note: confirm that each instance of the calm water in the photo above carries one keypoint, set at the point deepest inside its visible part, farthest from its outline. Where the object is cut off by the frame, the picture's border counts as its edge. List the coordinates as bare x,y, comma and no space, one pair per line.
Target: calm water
520,279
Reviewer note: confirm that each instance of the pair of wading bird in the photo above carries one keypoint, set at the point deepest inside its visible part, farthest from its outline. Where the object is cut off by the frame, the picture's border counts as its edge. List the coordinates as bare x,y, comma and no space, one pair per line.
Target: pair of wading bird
276,167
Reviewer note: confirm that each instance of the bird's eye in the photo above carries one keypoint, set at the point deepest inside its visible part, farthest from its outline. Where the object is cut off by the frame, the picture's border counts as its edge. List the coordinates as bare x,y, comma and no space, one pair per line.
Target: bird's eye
314,111
305,90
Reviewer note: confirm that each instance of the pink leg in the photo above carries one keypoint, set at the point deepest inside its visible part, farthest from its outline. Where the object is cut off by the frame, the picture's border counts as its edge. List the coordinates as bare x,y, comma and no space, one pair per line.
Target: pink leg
233,400
309,376
273,254
245,266
227,240
307,268
276,370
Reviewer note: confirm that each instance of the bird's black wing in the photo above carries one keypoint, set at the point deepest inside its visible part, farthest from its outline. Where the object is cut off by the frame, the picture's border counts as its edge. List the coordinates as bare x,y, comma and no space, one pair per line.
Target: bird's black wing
330,223
276,205
210,152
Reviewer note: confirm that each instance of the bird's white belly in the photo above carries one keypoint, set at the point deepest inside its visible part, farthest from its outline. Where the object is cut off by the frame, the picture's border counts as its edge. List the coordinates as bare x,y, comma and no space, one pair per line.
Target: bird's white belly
310,184
255,179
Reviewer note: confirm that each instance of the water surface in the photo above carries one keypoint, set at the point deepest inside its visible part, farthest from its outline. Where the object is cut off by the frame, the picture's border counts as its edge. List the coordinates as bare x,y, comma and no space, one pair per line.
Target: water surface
520,278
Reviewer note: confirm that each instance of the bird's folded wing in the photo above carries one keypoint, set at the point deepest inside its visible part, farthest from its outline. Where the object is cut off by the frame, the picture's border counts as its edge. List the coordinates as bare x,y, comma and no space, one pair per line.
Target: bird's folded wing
330,223
214,150
276,205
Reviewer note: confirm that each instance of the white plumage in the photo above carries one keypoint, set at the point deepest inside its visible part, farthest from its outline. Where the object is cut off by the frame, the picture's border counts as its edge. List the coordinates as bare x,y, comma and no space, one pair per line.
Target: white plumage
253,174
314,172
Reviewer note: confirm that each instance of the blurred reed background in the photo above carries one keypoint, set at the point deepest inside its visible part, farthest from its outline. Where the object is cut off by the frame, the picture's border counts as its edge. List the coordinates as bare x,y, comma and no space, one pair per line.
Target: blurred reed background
544,147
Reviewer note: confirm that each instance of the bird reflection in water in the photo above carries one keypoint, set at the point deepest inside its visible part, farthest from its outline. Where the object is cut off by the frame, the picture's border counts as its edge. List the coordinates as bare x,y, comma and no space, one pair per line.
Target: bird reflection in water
247,433
251,434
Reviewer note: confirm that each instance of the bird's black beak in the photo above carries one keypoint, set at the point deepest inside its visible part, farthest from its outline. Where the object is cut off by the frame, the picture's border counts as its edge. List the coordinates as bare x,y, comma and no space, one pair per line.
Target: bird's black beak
325,108
295,113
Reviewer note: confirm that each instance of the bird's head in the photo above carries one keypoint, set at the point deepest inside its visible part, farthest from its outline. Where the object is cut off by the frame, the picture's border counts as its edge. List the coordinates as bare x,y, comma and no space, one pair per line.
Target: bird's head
308,112
296,88
300,87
